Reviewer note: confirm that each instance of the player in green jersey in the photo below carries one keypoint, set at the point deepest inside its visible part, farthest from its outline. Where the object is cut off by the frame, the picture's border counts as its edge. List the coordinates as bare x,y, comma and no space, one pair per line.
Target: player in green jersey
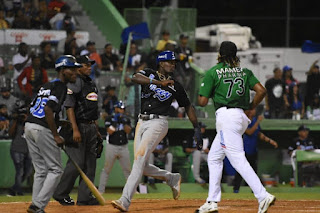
229,85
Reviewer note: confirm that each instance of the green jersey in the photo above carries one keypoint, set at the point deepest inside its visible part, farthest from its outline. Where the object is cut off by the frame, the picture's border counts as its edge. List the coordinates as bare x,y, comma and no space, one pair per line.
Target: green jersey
228,86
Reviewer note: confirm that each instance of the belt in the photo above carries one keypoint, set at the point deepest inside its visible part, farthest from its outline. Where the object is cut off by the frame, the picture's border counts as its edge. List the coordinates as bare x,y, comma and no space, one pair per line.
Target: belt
148,117
228,107
86,121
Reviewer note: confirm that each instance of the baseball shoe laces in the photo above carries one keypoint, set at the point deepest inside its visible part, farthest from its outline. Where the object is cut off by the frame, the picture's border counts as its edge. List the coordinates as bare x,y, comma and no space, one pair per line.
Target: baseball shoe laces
268,201
175,187
118,204
208,207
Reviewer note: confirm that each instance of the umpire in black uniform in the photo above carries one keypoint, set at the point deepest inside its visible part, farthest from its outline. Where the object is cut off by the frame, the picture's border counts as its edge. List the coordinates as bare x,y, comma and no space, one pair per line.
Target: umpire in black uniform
82,111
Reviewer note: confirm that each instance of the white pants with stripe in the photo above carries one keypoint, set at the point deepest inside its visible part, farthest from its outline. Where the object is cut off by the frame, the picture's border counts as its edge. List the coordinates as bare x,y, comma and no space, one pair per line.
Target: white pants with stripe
231,124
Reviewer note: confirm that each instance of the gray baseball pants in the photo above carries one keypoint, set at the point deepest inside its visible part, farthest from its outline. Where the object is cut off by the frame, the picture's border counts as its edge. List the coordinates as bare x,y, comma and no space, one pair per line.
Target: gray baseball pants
167,160
197,158
46,159
147,136
113,152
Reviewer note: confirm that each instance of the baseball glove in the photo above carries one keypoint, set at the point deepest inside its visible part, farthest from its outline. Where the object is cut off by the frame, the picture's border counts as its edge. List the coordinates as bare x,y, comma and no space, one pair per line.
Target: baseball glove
198,138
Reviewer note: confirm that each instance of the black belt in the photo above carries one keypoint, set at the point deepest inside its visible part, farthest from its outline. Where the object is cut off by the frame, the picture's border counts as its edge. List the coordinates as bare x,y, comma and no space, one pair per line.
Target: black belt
148,117
86,121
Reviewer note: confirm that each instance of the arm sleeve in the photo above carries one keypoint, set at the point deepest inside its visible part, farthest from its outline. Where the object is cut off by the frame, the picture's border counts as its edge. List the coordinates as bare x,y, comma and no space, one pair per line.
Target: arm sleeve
73,89
206,88
181,96
56,97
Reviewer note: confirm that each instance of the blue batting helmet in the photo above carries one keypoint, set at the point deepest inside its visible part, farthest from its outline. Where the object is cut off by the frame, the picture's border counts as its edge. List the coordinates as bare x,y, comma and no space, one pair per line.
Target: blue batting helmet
166,56
120,104
66,61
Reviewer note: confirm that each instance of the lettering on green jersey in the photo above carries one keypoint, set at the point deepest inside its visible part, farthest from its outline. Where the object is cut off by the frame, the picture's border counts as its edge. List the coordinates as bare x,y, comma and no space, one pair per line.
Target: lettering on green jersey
230,72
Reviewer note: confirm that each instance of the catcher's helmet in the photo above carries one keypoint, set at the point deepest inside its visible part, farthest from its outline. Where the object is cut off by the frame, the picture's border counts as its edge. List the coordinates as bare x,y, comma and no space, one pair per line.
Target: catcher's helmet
120,105
66,61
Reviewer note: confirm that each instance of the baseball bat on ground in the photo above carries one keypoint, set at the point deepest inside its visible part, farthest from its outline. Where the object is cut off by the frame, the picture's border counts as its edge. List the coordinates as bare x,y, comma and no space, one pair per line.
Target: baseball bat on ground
90,185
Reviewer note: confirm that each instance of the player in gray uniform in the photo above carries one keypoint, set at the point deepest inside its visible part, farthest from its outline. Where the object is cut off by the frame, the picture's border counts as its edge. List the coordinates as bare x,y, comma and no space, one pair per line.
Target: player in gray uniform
118,125
42,136
158,90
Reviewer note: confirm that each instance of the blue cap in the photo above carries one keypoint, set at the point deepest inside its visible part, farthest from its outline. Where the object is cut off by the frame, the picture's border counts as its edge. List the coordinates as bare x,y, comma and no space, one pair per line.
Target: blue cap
286,68
66,61
166,56
120,105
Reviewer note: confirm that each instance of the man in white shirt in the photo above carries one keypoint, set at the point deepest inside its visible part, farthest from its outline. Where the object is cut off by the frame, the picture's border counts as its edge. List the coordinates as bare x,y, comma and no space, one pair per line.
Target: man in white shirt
20,60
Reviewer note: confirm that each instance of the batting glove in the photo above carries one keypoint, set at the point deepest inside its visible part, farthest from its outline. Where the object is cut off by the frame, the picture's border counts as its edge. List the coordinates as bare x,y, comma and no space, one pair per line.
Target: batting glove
198,138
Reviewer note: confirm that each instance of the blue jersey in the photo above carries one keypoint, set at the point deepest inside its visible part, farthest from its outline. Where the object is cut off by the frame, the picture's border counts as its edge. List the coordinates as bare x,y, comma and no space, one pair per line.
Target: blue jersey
251,141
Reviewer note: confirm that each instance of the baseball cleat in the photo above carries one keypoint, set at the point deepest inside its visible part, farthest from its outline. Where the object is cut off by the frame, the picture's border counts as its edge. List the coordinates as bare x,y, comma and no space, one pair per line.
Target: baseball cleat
118,204
208,207
266,203
176,182
67,201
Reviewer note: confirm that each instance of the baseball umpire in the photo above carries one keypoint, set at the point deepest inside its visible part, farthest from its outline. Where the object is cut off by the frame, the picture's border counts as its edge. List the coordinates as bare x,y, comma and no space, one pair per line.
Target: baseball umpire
82,111
230,85
158,89
41,133
118,125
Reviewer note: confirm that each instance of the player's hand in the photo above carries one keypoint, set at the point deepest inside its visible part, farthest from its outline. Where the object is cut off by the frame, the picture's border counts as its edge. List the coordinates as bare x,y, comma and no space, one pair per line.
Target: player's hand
76,136
274,143
59,140
198,138
260,117
167,83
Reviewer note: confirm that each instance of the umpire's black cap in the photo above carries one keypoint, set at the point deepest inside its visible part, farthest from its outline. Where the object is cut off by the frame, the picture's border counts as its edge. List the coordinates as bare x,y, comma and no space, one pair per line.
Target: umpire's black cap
84,59
228,48
303,127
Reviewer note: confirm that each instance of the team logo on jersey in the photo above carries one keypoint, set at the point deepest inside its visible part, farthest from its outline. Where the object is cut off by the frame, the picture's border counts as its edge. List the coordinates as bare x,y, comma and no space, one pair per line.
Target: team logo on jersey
92,96
161,94
69,91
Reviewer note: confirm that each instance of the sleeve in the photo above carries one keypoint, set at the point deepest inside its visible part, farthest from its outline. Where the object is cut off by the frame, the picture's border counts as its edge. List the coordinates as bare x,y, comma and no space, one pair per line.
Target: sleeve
145,72
20,78
181,96
108,122
206,87
73,89
56,98
252,80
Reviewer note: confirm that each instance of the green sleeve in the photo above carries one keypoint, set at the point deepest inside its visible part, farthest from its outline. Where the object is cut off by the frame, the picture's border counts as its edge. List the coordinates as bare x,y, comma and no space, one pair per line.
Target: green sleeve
206,88
252,79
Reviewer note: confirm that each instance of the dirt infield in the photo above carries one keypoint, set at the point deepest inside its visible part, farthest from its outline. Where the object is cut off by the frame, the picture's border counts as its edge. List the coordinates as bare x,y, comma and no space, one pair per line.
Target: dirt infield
166,206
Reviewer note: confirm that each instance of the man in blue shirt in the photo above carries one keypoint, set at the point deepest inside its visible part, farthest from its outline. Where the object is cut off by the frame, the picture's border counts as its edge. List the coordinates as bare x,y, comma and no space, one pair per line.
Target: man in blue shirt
250,141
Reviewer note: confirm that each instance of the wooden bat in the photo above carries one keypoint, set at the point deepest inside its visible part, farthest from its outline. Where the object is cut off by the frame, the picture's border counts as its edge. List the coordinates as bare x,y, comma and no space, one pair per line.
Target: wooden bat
90,185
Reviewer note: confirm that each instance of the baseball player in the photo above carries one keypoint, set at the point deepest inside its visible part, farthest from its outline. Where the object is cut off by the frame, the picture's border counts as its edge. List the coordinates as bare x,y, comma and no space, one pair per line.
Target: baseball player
82,111
229,84
42,136
118,126
158,89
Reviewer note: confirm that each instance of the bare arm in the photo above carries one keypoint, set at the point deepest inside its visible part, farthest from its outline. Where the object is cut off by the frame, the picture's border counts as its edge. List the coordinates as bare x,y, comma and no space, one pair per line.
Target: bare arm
72,118
52,125
258,97
267,139
141,79
192,115
127,128
202,101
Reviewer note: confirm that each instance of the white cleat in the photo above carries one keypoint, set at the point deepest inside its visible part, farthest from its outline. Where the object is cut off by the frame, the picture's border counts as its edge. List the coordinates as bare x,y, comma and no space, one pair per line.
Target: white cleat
176,182
117,204
266,203
208,207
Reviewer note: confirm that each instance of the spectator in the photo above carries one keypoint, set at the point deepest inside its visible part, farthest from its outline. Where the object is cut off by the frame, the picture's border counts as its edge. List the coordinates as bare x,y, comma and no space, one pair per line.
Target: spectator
20,61
276,100
136,60
313,83
250,142
19,149
93,55
46,57
21,21
296,102
54,7
185,73
313,111
287,78
4,121
4,24
110,61
7,99
165,39
118,126
162,155
303,142
10,17
198,156
109,100
36,77
63,17
39,21
5,80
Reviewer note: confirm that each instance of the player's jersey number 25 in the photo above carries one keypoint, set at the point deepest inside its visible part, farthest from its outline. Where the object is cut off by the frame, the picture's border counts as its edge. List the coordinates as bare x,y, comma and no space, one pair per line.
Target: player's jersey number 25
38,109
234,85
